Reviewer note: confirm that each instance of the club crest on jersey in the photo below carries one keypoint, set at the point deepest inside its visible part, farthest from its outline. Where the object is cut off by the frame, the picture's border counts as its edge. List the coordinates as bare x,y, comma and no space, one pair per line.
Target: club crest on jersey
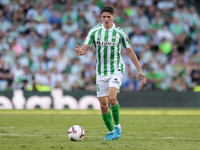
106,43
127,39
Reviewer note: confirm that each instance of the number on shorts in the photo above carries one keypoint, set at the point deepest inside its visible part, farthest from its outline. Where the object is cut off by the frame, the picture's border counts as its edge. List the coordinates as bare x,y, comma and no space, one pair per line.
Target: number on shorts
97,87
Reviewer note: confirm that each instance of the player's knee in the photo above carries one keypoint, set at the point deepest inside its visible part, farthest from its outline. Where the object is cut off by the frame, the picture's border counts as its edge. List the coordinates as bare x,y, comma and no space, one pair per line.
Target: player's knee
104,108
104,105
112,99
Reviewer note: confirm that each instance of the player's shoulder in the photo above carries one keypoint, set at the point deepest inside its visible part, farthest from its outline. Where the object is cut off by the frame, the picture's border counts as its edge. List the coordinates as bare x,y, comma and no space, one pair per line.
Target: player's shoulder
97,27
120,30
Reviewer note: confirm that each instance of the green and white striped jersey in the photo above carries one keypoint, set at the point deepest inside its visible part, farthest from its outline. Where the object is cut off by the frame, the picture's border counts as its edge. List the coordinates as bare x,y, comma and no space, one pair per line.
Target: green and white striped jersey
108,45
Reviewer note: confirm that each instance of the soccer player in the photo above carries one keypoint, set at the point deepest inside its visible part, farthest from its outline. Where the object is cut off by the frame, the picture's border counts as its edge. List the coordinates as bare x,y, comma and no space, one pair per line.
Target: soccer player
108,40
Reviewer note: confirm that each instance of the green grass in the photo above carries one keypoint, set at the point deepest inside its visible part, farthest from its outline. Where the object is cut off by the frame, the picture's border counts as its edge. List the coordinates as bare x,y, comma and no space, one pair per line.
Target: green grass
142,129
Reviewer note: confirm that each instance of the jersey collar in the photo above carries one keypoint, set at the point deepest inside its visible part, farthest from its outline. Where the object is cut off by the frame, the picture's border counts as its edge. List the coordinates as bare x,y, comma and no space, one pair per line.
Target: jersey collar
113,26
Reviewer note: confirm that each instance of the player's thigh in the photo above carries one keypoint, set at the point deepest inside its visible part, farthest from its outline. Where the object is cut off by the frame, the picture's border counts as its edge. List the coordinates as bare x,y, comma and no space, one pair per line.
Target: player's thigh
103,100
112,92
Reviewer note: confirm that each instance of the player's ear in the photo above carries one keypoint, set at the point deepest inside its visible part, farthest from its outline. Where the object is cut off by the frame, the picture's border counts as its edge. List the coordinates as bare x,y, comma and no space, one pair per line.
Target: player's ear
113,16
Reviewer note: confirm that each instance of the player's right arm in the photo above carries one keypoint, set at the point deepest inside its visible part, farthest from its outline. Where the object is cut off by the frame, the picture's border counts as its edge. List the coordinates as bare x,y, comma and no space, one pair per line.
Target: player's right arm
87,43
81,51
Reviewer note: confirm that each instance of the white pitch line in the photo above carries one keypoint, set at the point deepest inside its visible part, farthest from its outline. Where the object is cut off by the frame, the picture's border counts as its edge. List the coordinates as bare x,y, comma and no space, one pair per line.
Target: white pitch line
135,137
6,127
171,138
12,134
164,138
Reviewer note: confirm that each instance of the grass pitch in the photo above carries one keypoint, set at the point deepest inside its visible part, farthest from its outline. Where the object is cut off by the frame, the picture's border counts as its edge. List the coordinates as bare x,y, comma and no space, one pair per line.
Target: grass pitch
142,129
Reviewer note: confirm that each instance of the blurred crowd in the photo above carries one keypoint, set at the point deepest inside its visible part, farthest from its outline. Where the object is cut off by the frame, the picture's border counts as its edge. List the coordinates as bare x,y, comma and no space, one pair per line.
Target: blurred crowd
38,40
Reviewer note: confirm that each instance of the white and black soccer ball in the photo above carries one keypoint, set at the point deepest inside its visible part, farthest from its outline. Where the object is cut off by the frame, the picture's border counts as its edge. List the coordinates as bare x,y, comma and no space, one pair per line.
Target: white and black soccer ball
76,133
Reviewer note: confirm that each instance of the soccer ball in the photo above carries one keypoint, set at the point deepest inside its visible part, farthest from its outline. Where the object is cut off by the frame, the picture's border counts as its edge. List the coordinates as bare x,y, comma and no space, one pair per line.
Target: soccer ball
76,133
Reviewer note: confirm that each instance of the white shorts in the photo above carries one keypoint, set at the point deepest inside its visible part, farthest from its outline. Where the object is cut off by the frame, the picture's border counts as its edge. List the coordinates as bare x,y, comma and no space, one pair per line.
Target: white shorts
104,82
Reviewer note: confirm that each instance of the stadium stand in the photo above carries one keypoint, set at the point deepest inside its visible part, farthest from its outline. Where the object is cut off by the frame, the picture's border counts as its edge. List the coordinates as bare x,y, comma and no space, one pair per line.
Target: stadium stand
38,39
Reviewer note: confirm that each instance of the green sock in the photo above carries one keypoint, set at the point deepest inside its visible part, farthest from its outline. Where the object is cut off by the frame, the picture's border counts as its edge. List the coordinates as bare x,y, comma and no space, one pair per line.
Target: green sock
107,118
115,112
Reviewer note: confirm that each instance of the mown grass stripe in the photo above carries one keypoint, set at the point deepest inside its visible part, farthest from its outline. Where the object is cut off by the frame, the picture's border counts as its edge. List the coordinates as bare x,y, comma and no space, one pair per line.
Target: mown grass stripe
98,112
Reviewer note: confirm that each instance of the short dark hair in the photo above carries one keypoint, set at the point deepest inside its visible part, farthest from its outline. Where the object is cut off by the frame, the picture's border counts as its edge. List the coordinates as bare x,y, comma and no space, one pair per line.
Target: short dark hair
109,9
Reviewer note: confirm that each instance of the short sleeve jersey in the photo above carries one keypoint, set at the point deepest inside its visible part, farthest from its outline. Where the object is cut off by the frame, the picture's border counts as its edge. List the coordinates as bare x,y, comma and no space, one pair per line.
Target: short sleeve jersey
108,45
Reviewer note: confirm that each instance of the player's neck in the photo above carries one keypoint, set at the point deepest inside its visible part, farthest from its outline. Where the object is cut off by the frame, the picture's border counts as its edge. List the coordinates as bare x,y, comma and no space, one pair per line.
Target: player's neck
108,27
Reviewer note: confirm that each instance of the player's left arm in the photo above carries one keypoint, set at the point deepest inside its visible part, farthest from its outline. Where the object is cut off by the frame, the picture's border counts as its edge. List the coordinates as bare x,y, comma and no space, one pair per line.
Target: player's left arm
127,45
135,61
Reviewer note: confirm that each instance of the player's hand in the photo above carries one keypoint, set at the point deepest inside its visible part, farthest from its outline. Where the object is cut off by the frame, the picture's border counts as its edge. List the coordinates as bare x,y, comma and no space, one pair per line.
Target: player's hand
143,78
78,50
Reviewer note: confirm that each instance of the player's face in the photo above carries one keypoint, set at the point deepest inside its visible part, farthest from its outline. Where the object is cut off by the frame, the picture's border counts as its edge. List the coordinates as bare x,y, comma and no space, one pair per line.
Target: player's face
107,19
